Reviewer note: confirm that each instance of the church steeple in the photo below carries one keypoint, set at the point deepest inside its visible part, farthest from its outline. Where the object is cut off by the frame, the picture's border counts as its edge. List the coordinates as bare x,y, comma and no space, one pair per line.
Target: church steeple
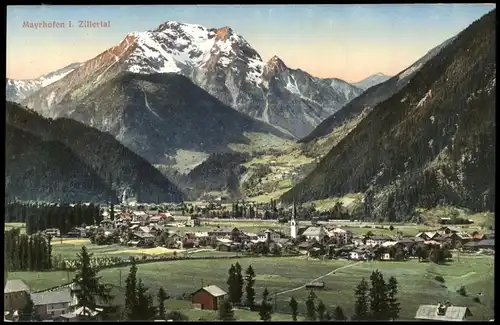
293,221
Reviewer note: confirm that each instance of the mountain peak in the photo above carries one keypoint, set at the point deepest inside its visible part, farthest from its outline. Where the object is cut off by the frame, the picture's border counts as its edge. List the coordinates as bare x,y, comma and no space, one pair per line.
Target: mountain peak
223,33
274,67
275,60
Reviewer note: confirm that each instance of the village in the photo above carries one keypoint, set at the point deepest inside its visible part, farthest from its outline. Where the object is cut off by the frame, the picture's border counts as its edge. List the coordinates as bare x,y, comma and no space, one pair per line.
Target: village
312,239
316,239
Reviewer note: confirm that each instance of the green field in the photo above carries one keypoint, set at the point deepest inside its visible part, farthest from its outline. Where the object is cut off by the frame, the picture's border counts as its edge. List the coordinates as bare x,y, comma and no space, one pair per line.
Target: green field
417,283
12,225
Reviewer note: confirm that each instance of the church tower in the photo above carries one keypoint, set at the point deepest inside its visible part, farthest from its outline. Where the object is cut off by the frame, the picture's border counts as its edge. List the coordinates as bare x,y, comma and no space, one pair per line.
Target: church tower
294,223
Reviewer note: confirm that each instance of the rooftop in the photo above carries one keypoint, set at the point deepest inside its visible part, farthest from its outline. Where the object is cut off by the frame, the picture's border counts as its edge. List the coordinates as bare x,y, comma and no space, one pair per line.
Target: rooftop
15,286
215,291
51,297
451,313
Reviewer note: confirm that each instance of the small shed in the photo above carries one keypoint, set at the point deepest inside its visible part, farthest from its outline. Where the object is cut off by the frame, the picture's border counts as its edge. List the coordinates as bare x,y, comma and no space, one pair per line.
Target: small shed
208,297
315,285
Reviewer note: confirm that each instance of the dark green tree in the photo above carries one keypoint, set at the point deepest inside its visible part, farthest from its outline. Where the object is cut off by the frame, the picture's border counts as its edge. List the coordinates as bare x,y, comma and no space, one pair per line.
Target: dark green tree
87,286
28,313
145,309
338,314
378,297
392,302
310,306
294,308
361,303
138,303
162,296
239,283
321,310
231,284
225,311
130,290
249,287
266,309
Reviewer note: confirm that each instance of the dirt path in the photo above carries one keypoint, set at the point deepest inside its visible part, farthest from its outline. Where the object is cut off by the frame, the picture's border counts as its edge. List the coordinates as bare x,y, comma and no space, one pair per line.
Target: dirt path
318,278
467,274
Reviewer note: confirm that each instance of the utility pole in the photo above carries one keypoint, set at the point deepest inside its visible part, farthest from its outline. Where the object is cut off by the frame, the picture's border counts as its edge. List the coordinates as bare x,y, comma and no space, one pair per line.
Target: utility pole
120,281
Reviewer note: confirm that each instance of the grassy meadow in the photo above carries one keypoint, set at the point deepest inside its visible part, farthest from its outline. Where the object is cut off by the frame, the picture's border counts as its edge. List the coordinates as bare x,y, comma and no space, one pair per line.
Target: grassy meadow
417,284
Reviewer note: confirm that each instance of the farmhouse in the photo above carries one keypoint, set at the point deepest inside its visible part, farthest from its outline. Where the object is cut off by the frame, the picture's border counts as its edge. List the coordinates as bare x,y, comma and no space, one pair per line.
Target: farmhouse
52,304
193,222
443,312
343,236
376,240
306,248
446,231
225,233
410,242
201,234
15,295
54,232
358,240
268,235
429,235
208,297
317,233
78,232
455,239
357,255
248,236
486,244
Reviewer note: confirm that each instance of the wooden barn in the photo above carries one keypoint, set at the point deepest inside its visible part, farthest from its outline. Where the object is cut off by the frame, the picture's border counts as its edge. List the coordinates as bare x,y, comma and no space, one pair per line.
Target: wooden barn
208,297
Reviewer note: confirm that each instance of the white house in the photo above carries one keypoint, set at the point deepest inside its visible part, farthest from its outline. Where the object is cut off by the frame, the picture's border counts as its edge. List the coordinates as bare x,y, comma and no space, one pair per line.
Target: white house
317,233
358,240
344,236
357,255
251,236
268,233
203,234
376,240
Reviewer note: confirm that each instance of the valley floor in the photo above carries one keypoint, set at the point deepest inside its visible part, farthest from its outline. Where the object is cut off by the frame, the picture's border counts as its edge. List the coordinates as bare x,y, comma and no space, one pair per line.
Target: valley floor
417,284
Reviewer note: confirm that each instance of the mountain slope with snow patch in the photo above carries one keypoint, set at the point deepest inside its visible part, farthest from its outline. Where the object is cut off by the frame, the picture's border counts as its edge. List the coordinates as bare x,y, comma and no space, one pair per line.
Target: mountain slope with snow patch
217,60
17,90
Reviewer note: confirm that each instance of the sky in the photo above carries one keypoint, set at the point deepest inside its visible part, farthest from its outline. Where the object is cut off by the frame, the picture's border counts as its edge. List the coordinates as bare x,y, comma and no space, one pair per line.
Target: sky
349,42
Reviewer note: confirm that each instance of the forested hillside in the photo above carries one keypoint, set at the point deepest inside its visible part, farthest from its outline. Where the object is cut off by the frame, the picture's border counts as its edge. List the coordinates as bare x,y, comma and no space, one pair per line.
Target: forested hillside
431,143
118,167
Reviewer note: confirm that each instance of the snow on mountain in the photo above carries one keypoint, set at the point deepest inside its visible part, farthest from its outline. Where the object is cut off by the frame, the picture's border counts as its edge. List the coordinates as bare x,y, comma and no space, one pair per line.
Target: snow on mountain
17,90
371,81
222,63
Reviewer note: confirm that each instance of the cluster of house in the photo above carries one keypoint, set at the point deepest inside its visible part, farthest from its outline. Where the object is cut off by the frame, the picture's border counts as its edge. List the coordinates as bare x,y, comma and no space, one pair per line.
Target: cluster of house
56,305
144,226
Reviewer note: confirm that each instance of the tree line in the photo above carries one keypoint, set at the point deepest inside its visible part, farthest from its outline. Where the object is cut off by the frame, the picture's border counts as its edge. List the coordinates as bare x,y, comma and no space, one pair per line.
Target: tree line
41,216
378,302
27,253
